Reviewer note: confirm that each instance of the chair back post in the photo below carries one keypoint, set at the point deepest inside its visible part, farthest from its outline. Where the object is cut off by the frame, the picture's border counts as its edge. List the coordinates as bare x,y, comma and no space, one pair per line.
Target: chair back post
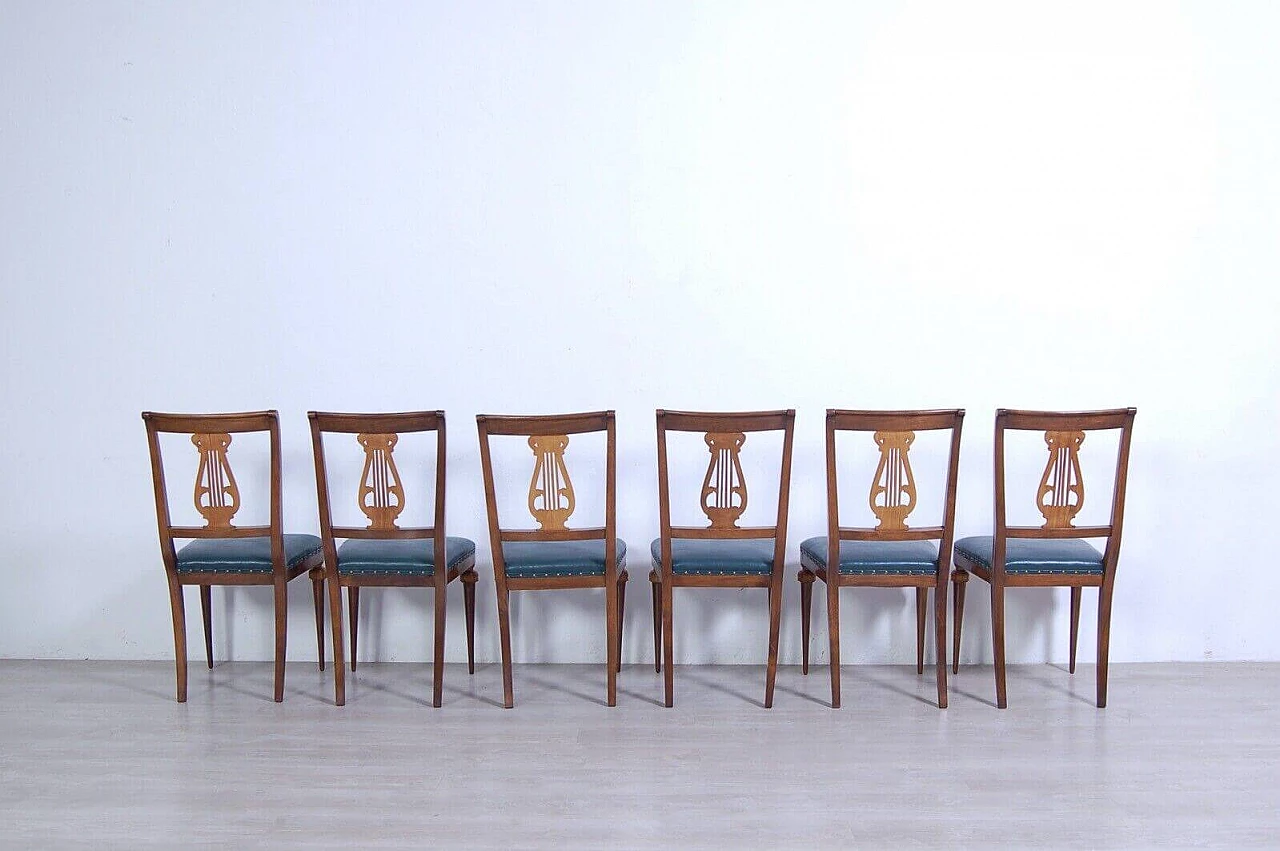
833,502
438,528
322,490
278,564
161,495
664,499
490,502
1000,521
949,509
784,495
611,501
1112,554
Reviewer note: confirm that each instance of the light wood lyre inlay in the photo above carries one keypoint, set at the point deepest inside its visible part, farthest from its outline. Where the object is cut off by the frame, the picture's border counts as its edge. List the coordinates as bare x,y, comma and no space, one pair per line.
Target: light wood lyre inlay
381,491
724,490
1061,494
551,499
217,496
893,489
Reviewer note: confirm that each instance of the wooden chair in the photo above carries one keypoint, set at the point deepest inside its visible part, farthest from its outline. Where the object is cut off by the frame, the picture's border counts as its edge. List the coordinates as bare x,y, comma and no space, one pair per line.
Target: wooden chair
892,555
222,553
554,556
383,554
1053,554
722,555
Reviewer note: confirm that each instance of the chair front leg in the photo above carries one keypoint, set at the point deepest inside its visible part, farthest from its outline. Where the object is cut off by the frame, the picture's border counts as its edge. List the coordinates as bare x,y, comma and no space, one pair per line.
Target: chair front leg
339,652
1104,638
668,645
317,593
940,637
997,641
611,640
206,611
922,604
805,577
504,630
469,580
959,579
179,611
622,611
833,633
353,611
1075,624
657,621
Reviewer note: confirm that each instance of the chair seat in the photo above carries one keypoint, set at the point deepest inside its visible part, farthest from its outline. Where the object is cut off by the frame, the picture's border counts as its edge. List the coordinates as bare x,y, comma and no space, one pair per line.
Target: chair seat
399,557
531,559
710,557
905,558
242,555
1034,555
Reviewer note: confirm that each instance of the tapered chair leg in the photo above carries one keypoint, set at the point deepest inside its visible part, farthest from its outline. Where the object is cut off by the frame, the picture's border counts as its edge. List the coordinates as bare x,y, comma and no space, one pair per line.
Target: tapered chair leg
206,611
940,638
437,673
339,656
806,578
1104,639
1075,624
775,622
668,645
282,633
178,607
317,591
622,611
353,613
833,634
959,580
922,604
504,630
997,642
469,580
657,624
611,641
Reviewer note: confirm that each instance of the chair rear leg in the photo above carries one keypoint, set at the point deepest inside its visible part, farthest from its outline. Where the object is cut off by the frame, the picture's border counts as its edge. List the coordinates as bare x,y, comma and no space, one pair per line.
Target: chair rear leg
339,656
504,630
668,645
833,633
1075,623
1104,639
437,648
775,622
997,642
611,641
282,633
206,611
922,604
806,578
179,611
317,593
959,581
469,580
353,613
940,637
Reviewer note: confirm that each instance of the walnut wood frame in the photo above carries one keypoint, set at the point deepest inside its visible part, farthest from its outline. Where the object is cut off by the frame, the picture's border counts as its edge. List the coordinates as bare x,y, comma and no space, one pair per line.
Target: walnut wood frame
614,579
441,576
661,576
278,578
998,579
884,421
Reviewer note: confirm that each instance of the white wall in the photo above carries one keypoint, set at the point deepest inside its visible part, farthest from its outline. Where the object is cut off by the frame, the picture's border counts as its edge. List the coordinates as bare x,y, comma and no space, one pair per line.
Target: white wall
570,206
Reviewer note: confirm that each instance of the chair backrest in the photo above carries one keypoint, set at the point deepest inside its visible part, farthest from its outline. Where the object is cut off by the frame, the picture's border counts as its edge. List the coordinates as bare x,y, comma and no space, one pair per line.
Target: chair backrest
381,495
1060,495
893,493
724,487
551,497
217,495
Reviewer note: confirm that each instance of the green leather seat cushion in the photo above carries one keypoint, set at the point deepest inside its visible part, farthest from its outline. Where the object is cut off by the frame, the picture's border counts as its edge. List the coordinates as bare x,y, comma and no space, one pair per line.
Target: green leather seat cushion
242,555
711,557
529,559
1034,555
399,556
908,558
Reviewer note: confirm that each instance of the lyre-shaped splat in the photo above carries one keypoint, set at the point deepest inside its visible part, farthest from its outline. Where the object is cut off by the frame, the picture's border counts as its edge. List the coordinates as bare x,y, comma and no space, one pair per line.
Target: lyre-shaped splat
217,496
1061,494
551,499
381,492
893,489
724,489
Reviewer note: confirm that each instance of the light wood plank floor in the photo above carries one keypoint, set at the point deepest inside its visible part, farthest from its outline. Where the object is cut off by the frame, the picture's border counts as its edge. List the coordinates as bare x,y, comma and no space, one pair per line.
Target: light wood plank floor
98,754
